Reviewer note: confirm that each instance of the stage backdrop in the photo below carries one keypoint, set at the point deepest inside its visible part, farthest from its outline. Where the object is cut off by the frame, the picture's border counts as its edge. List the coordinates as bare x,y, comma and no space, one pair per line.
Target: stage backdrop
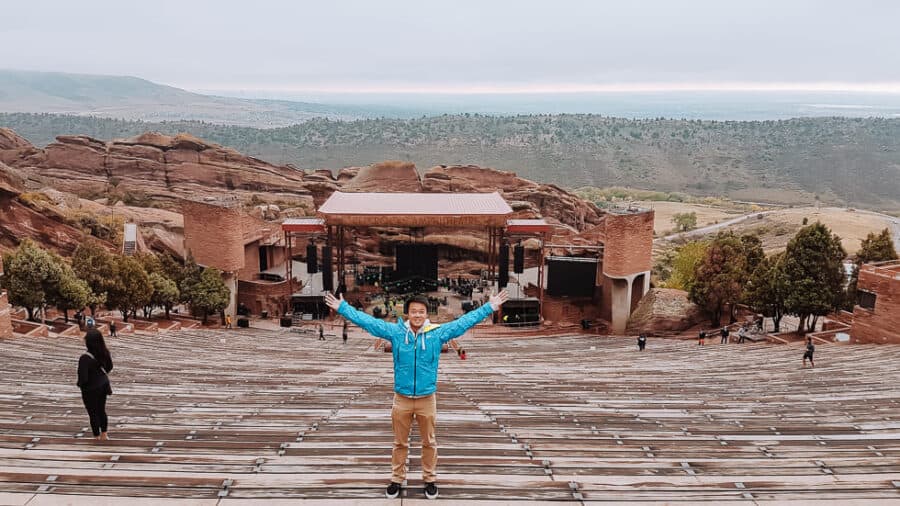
419,260
573,277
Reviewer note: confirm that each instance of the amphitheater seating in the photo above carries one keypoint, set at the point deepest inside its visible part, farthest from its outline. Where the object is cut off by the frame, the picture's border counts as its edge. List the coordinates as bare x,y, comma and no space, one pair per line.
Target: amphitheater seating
221,416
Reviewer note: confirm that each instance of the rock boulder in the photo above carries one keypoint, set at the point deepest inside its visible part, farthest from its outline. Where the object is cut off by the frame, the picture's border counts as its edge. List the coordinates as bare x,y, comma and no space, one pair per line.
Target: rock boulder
664,311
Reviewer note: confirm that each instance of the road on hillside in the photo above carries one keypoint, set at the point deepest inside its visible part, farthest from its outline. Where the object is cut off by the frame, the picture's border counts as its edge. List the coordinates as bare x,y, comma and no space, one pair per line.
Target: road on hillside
712,228
893,222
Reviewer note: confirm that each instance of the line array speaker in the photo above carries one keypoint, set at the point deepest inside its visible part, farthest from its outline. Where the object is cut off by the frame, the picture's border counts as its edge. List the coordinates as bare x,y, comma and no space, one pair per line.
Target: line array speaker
519,259
503,267
312,259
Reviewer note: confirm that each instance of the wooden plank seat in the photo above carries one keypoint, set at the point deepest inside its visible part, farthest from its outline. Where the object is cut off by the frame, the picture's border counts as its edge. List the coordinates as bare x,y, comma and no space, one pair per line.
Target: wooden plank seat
567,418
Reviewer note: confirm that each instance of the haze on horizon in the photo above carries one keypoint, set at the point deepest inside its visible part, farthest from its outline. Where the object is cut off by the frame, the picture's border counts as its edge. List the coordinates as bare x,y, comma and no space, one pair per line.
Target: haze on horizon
528,46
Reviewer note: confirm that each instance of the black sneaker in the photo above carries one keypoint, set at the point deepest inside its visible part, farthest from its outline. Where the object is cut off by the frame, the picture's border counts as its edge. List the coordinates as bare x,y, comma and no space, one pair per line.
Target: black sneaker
431,491
393,490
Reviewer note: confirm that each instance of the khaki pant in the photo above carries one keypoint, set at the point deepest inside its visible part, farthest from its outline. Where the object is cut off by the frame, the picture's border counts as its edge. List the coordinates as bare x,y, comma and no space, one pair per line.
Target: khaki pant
425,411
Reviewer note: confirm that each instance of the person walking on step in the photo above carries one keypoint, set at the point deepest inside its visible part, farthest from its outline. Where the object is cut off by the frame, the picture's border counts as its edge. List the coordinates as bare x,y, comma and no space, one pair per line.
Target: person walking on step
112,328
322,331
228,321
642,342
416,347
701,340
93,380
724,333
344,332
810,349
742,334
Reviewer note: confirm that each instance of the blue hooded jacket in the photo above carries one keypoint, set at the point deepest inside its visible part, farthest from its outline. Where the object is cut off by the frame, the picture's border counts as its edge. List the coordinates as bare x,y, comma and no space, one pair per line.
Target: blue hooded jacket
416,356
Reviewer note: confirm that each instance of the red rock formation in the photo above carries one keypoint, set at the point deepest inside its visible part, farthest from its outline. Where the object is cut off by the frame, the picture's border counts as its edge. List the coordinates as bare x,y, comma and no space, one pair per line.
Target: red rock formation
389,176
163,169
664,311
18,220
150,166
10,181
14,147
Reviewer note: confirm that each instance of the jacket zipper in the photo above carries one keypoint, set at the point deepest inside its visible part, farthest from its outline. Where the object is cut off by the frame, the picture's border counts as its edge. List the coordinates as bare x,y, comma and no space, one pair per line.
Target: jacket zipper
415,361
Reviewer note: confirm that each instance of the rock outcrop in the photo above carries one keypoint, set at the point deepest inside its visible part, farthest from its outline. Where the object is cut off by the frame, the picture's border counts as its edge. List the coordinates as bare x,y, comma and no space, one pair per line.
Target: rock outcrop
527,198
389,176
11,182
664,311
151,167
160,170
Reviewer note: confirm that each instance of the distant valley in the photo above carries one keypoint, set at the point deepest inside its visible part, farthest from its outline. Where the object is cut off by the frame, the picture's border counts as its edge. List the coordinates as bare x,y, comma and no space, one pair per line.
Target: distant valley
841,160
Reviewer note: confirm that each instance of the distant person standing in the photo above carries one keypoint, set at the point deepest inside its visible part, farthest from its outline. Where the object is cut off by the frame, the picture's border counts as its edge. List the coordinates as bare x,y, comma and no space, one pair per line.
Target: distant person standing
642,342
742,334
228,321
701,339
460,351
93,367
810,349
724,333
321,332
112,328
344,332
79,317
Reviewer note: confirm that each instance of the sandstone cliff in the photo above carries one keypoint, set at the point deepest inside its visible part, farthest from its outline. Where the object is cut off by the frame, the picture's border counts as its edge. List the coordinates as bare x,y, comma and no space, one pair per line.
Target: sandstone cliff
159,170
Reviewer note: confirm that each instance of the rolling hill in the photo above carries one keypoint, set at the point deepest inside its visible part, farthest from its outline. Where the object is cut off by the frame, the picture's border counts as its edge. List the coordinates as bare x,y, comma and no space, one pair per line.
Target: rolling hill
132,98
842,161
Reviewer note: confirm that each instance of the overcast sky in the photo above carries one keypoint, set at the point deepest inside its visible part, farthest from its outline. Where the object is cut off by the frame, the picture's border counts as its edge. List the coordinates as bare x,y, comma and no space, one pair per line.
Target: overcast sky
462,45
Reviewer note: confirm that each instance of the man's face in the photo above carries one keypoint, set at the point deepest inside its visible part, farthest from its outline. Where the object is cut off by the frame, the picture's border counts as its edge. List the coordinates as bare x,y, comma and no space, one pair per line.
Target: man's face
417,314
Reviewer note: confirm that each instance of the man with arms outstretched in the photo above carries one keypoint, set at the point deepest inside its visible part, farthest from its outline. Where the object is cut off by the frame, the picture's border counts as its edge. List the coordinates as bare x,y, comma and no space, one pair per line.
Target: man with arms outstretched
416,346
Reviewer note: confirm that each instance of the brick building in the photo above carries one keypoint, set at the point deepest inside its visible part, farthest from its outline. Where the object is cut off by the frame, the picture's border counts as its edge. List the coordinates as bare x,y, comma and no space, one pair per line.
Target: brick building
627,261
5,318
250,253
876,317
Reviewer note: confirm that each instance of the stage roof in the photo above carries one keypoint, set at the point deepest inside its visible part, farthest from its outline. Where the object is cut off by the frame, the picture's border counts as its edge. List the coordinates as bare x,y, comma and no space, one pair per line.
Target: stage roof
304,225
528,227
416,209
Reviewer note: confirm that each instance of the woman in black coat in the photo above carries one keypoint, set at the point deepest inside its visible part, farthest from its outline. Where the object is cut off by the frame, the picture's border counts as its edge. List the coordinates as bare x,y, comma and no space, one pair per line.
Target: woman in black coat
93,367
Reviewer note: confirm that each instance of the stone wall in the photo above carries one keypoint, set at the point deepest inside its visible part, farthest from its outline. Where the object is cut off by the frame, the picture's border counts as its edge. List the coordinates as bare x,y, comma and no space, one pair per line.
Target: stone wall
250,269
213,235
563,311
629,243
264,296
881,325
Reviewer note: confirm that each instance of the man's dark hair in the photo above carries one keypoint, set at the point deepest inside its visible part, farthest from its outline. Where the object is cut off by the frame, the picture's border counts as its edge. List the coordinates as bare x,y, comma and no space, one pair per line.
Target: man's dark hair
421,299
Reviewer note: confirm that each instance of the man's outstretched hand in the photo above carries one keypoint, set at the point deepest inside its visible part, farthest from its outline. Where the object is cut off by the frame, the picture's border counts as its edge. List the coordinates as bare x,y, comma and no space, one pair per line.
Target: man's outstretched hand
333,302
498,299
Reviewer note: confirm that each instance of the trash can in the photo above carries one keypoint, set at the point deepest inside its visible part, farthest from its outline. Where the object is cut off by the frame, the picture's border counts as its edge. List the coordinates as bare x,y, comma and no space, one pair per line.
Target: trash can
286,321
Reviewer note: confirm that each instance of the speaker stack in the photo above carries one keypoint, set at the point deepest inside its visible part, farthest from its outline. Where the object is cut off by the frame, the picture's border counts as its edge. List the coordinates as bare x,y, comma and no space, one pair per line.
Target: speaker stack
519,259
312,259
503,266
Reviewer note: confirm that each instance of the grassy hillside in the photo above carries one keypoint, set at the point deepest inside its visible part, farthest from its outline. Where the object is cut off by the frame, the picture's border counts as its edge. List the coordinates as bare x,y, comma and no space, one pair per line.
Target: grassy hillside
852,161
